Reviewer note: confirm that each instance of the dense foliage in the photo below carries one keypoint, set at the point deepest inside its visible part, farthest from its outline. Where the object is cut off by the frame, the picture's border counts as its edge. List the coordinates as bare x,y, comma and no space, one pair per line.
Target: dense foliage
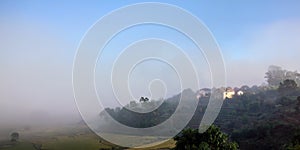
211,139
135,119
14,136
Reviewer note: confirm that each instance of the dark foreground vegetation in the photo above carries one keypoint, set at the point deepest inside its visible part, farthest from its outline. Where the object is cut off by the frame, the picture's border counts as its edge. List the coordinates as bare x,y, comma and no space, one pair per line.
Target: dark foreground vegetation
211,139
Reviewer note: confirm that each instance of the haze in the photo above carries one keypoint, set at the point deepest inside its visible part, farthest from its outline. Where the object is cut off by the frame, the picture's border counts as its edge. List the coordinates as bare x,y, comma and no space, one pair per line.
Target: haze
39,42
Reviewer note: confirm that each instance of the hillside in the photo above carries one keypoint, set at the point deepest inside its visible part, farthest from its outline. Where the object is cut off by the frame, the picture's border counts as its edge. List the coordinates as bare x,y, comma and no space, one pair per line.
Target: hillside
261,118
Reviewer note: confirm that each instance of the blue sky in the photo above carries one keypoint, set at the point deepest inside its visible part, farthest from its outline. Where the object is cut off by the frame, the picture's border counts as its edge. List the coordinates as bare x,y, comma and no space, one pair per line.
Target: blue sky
39,41
229,21
222,17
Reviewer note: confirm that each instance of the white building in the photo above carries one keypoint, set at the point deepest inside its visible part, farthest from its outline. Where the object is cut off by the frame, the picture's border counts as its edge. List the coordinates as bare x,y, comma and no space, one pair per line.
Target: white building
240,92
205,92
229,93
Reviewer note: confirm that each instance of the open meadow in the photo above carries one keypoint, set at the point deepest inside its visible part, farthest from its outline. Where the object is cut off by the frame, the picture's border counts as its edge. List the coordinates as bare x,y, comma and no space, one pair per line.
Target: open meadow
67,138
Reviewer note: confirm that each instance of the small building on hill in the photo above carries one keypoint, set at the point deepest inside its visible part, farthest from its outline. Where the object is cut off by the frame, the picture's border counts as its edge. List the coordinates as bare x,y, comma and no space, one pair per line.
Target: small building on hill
240,93
205,92
229,93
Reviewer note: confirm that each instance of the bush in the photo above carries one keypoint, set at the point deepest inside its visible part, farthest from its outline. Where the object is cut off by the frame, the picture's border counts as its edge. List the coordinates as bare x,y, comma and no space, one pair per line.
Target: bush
14,136
211,139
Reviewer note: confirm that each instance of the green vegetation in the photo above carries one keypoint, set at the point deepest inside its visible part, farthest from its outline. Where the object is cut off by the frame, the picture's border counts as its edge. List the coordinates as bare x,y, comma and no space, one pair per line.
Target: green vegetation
66,138
276,75
211,139
263,117
135,119
86,142
16,146
14,136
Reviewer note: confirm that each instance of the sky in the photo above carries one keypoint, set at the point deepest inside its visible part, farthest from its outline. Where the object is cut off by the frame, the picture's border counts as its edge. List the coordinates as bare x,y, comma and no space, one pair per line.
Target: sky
39,39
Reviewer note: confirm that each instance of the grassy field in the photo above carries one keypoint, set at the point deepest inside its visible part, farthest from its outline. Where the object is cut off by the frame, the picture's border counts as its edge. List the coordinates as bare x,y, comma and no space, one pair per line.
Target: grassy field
71,139
16,146
77,143
165,145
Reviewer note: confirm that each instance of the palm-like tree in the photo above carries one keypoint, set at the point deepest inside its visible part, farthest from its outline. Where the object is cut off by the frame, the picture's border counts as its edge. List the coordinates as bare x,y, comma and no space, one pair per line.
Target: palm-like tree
144,99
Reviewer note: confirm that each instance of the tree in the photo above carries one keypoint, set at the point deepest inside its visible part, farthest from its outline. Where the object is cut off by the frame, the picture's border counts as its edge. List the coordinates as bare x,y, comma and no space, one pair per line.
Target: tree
295,143
132,104
288,86
293,75
245,88
275,75
14,136
211,139
142,99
